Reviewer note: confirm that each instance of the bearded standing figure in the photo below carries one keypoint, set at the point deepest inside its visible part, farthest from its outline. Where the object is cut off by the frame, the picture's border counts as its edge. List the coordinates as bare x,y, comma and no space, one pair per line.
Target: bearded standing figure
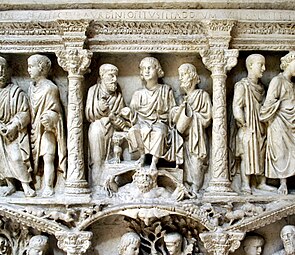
14,139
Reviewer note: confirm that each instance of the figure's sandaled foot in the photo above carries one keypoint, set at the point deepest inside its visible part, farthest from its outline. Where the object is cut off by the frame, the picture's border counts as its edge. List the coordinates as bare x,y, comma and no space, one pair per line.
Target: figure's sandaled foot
47,192
266,187
283,190
30,192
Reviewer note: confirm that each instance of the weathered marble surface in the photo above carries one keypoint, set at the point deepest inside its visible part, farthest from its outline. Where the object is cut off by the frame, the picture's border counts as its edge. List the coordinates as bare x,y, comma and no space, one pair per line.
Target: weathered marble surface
79,38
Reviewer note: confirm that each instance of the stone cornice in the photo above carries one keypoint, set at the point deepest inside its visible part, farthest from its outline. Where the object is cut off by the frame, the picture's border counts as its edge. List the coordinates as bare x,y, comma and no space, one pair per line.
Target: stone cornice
131,4
146,30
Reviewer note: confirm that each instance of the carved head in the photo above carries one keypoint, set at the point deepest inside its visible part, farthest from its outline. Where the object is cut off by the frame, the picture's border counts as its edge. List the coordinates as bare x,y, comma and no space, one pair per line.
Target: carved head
129,244
4,246
38,245
188,77
108,74
288,62
145,179
3,72
253,245
150,68
288,238
255,64
38,66
173,243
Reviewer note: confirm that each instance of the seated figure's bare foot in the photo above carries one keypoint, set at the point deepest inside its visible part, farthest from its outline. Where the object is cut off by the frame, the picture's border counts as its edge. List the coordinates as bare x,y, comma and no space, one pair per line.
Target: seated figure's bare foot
47,192
29,192
283,190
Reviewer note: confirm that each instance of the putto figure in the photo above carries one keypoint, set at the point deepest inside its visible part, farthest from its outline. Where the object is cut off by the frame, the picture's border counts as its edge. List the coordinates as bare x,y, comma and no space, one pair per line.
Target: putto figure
278,112
103,105
48,134
253,245
14,139
191,118
129,244
250,139
38,245
150,108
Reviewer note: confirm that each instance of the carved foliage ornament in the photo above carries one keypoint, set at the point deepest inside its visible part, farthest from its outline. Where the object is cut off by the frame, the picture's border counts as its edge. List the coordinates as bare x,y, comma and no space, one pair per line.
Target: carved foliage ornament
74,242
218,61
221,243
74,61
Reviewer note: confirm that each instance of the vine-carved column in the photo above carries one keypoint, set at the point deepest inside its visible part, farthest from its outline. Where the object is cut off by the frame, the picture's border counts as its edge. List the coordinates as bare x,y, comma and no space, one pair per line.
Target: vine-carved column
221,243
75,60
219,59
74,243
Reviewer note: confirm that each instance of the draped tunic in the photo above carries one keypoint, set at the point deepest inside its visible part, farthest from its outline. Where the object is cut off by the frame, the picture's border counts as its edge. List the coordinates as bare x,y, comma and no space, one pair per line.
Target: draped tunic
250,139
151,108
101,128
278,111
15,155
44,99
201,107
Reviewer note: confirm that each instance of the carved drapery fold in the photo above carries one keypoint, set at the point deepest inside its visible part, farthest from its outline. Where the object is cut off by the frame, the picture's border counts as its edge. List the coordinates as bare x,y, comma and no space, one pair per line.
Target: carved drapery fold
76,63
74,243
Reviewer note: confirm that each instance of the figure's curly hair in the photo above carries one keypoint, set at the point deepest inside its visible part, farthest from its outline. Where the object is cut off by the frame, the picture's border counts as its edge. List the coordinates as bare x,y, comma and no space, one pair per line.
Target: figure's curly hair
127,239
43,62
286,60
39,242
155,62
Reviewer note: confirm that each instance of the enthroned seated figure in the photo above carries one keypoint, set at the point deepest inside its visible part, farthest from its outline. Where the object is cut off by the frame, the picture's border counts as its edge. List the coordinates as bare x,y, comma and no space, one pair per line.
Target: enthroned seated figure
150,107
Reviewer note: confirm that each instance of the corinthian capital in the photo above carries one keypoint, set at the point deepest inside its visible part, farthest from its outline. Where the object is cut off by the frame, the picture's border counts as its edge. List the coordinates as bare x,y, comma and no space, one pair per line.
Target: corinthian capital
74,61
219,60
221,243
74,243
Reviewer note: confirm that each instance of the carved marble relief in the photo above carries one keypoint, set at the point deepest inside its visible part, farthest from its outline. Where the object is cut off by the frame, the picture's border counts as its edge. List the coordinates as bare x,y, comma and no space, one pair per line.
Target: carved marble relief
47,133
146,131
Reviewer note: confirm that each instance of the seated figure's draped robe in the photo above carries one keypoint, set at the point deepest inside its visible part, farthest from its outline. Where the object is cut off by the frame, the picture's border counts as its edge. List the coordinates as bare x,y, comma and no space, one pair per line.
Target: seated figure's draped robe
44,99
250,139
15,155
101,129
278,111
151,109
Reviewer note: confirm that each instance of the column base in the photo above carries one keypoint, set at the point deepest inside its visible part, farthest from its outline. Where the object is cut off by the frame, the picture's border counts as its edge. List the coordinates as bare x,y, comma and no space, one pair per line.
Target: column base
77,188
218,189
